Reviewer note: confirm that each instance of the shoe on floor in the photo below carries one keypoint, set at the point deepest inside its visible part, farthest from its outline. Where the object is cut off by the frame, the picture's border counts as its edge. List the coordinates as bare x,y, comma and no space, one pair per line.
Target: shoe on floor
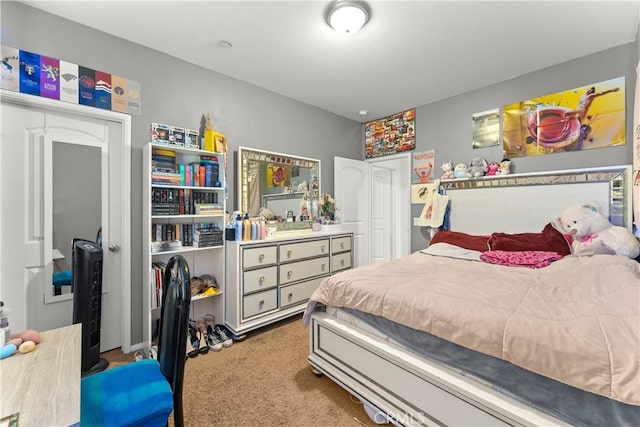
192,342
224,335
213,339
202,336
214,342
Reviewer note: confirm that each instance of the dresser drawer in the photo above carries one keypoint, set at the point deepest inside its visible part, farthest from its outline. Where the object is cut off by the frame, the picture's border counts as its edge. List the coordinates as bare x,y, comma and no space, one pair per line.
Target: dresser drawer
295,251
341,261
259,279
262,302
300,292
340,244
256,257
301,270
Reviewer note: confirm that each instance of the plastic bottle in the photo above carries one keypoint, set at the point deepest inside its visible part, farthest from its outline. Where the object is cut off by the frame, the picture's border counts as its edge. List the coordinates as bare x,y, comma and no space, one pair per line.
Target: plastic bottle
246,227
263,228
238,228
5,330
254,230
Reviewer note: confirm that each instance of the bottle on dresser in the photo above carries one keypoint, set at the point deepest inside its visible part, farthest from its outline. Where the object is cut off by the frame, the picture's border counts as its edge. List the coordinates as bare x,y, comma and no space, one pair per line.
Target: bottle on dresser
238,228
246,227
255,227
263,228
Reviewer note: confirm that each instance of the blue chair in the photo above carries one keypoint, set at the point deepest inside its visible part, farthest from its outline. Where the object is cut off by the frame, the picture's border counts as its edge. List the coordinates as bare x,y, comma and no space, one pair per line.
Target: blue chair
145,393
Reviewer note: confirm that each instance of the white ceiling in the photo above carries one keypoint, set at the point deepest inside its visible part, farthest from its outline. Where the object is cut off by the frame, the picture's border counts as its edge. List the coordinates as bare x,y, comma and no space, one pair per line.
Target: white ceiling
411,53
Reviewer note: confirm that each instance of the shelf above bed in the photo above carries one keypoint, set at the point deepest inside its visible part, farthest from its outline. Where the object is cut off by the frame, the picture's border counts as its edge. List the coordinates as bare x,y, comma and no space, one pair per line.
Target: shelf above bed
569,176
526,202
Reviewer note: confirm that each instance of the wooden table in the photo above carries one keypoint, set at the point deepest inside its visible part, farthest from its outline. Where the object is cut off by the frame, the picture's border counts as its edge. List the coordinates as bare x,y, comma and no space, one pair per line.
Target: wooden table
44,386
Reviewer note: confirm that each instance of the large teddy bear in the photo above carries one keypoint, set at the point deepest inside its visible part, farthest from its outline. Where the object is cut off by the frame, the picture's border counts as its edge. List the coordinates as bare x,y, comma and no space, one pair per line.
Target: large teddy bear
592,233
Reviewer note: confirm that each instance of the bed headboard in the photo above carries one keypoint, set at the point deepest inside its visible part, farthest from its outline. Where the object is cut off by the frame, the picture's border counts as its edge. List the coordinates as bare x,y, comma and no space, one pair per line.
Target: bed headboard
527,202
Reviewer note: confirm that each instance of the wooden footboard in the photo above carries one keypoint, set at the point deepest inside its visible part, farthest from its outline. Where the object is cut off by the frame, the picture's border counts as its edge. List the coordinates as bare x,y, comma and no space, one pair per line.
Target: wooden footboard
409,389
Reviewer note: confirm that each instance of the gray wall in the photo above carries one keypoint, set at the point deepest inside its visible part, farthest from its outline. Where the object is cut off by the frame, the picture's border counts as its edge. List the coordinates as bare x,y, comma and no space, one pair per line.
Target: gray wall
178,93
446,125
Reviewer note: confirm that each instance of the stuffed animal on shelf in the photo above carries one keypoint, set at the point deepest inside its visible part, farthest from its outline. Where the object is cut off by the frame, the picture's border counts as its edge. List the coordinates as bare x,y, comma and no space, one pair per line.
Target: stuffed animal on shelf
303,187
492,168
460,171
505,167
592,232
447,168
477,168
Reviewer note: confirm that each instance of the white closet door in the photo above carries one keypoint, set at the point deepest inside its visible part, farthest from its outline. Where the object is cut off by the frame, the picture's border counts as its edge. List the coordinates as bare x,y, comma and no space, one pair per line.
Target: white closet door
352,186
31,139
382,213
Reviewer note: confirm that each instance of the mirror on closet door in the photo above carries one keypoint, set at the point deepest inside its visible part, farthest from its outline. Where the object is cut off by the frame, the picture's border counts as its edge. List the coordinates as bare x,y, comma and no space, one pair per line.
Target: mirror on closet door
286,185
76,207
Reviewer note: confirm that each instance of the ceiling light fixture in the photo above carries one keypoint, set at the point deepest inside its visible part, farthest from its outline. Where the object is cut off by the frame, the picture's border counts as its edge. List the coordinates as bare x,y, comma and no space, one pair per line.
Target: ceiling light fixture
347,16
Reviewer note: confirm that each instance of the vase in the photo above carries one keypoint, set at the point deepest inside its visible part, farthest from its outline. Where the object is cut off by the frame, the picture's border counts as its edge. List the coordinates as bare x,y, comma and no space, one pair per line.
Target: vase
328,218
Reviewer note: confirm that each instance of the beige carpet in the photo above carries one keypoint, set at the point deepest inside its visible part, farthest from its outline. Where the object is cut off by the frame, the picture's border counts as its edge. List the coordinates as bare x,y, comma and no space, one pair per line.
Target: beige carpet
264,380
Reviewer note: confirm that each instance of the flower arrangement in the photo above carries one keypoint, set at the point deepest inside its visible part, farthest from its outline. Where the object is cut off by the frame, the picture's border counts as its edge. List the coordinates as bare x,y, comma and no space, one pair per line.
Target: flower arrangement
327,205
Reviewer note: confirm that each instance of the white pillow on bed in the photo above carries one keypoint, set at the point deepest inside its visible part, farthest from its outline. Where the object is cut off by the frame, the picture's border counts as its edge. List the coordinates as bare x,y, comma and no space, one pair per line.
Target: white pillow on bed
451,251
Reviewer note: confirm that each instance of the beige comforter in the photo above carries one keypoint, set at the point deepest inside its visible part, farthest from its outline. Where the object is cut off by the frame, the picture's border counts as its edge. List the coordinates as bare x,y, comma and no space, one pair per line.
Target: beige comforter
576,321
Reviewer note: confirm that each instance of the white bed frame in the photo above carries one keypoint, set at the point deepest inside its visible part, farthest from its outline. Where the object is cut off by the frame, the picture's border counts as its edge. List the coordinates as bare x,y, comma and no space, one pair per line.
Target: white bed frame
409,390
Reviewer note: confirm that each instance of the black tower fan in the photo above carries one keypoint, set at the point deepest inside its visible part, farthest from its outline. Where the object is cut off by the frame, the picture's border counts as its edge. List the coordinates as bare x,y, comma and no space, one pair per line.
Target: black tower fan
87,302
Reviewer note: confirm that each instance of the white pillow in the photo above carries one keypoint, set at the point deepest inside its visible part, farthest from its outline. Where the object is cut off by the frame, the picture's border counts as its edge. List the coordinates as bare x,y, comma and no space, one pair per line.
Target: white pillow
451,251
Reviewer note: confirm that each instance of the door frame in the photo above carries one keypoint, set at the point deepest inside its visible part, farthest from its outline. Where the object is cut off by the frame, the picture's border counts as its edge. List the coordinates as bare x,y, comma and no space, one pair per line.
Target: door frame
125,122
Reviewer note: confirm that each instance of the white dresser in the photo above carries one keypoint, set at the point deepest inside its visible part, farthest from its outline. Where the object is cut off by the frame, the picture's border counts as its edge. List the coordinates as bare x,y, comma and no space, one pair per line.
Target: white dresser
268,280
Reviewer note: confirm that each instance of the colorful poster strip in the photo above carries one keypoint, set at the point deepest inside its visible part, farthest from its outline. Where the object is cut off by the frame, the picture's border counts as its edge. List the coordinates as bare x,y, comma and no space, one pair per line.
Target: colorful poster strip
35,74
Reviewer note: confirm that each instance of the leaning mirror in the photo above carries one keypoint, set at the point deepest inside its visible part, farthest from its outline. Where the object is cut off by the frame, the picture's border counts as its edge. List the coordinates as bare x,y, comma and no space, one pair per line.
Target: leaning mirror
76,206
284,185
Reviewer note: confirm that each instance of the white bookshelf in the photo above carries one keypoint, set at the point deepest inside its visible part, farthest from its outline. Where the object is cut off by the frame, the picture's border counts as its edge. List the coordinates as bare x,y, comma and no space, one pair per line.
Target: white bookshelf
201,260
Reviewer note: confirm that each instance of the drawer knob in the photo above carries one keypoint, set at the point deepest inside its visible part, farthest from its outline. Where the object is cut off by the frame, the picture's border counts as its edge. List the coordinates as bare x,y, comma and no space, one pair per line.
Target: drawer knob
341,245
322,267
341,262
289,273
261,302
322,248
289,252
290,295
261,279
261,257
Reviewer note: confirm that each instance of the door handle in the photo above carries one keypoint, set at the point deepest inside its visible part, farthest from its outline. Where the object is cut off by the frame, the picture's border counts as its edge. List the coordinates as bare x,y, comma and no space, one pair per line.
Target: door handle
114,248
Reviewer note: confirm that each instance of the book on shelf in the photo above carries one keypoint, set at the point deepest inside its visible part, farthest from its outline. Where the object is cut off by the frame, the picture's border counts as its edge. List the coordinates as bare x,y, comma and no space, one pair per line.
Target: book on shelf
162,246
156,285
207,244
209,209
169,177
203,175
195,174
188,176
183,176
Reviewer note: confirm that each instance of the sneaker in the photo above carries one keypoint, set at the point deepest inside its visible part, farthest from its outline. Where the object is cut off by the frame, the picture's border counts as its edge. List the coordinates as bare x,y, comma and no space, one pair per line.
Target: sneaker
214,342
224,335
